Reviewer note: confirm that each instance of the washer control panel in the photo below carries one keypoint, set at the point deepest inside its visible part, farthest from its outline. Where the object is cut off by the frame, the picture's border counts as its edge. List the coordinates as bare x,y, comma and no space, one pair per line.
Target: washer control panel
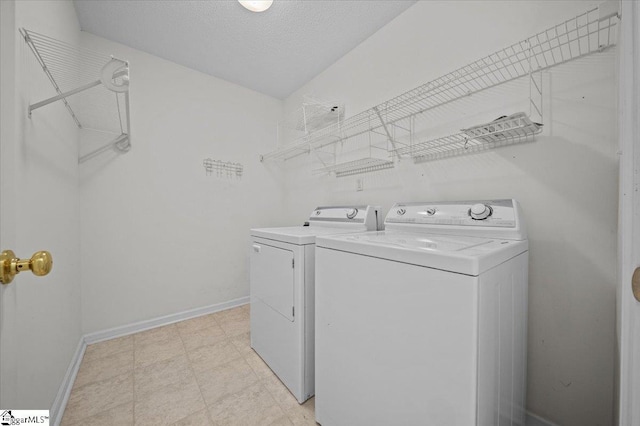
488,213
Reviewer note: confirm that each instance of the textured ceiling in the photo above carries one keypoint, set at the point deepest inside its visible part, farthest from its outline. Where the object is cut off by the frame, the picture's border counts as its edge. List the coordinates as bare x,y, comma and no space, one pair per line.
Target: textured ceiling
274,52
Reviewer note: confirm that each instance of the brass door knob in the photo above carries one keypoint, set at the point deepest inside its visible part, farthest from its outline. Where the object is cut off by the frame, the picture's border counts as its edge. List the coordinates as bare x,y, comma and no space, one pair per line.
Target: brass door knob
40,264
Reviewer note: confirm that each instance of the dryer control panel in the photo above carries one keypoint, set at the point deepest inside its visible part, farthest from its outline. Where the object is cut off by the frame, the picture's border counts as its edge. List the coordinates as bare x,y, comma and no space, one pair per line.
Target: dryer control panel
337,216
500,218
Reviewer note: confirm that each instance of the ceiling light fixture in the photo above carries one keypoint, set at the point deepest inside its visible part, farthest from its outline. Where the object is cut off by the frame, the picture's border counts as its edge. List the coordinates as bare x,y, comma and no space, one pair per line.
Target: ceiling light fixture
256,5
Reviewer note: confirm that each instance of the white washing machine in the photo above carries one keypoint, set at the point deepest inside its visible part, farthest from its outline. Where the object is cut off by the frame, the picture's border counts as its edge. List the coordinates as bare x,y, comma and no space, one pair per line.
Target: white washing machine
282,291
424,323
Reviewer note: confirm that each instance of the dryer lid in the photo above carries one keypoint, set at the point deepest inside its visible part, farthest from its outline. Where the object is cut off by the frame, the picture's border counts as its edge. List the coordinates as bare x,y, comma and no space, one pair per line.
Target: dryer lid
326,221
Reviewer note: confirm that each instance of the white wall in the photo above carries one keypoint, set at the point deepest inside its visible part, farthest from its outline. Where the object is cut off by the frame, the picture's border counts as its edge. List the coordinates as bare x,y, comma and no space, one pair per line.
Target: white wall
45,310
158,235
566,180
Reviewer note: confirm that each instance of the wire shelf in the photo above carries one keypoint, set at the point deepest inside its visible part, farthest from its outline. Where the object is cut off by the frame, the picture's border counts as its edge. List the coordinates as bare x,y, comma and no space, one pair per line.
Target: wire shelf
363,165
584,34
314,114
286,153
502,131
93,86
515,125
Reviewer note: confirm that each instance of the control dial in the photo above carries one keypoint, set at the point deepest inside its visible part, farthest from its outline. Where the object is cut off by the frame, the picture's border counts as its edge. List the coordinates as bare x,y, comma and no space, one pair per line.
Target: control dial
431,211
401,211
480,211
351,213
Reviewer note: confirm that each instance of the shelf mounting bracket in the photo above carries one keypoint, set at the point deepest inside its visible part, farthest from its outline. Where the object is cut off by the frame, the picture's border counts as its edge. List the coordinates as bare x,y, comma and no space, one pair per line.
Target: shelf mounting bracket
386,129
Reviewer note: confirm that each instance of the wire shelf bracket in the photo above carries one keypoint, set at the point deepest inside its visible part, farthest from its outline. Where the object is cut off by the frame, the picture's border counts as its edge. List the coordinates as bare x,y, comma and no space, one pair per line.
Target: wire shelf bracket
74,72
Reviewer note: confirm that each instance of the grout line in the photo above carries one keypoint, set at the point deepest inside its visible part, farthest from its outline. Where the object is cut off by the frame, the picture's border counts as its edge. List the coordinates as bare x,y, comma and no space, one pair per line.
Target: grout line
206,407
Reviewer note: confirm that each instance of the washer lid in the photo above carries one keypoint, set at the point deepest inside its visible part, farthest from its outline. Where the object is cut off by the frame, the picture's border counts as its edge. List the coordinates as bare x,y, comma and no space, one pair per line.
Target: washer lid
461,254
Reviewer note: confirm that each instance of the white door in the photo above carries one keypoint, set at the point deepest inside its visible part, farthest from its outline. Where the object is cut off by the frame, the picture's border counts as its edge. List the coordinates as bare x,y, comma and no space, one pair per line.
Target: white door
8,363
40,317
629,225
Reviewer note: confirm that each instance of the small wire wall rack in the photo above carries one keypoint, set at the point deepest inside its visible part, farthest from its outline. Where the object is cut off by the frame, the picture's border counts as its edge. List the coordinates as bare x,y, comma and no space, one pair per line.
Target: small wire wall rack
222,169
313,115
587,33
93,86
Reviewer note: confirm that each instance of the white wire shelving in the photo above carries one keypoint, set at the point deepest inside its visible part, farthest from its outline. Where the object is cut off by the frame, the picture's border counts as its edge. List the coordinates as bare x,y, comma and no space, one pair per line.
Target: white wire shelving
362,165
587,33
500,132
93,86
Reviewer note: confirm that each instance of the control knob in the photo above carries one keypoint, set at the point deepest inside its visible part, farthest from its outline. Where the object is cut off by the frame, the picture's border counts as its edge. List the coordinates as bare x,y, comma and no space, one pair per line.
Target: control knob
351,213
401,211
480,211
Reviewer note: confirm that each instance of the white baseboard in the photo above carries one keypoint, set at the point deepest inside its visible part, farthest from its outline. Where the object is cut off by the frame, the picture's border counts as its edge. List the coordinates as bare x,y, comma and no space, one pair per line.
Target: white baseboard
59,404
534,420
137,327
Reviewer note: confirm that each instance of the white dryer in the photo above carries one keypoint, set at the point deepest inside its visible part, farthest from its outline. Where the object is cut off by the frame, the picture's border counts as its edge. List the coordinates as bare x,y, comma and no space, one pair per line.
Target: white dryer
282,291
424,323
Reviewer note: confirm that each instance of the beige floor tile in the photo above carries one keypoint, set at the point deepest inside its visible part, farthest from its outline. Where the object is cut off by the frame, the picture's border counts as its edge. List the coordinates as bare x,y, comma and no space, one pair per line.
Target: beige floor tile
259,367
172,373
251,406
94,398
303,415
301,419
282,421
236,327
197,323
156,335
225,379
169,405
201,337
108,347
210,356
201,418
242,342
280,393
122,415
234,321
101,368
154,349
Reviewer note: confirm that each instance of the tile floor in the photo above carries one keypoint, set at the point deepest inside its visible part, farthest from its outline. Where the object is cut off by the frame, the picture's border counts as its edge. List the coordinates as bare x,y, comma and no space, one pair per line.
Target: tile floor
196,372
